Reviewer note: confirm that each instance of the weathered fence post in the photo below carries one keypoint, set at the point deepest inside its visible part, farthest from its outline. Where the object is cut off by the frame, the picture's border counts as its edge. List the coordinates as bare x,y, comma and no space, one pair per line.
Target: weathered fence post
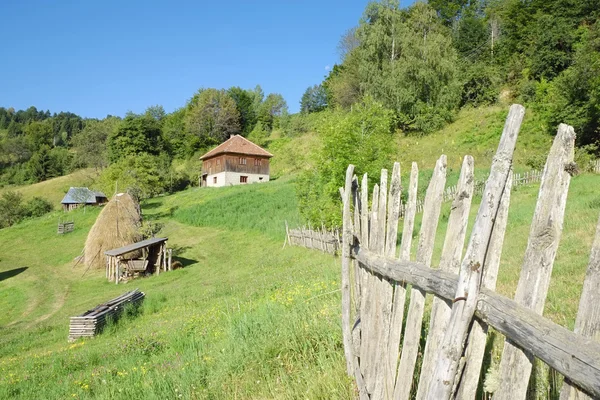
546,229
450,261
414,318
464,304
400,287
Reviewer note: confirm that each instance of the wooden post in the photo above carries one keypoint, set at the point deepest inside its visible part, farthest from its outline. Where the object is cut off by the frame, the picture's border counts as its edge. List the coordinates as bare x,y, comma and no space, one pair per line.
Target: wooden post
117,273
400,287
546,229
478,334
465,302
170,258
450,261
416,308
347,241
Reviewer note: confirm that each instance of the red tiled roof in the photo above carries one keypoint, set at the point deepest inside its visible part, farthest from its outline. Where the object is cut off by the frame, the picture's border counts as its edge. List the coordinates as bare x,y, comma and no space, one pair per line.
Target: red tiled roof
239,145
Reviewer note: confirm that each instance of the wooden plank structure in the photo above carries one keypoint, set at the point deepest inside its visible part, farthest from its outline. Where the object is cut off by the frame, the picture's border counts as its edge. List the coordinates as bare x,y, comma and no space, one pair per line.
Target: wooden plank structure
382,355
93,321
319,239
155,256
65,227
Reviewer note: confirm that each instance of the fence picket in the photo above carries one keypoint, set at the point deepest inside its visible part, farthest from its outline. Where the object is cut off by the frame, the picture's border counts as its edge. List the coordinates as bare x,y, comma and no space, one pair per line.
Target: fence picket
474,353
414,318
588,316
546,228
400,287
464,304
450,261
368,319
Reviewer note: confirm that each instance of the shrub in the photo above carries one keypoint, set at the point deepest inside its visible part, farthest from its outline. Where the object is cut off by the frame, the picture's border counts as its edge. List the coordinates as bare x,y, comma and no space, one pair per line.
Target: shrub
360,137
37,207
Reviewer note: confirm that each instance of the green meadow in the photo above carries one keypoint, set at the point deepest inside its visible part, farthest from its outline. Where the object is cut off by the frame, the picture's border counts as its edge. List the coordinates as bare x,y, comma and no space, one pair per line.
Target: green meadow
245,318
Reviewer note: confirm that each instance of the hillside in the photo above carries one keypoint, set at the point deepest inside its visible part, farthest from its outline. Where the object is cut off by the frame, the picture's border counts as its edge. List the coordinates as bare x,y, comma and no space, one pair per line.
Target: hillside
245,318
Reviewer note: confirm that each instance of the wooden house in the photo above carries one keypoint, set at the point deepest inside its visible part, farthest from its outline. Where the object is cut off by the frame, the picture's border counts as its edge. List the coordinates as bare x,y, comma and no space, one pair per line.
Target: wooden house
80,196
234,162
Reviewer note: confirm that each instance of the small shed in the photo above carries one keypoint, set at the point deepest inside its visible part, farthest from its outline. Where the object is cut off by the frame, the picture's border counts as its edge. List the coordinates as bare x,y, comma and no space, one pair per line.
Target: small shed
155,256
81,196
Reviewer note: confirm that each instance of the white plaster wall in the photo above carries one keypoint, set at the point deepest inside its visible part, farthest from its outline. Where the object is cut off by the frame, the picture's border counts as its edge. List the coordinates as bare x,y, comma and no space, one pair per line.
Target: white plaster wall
233,178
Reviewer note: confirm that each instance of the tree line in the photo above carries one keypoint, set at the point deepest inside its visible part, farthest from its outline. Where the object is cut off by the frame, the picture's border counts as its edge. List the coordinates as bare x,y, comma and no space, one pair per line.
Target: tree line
425,62
138,151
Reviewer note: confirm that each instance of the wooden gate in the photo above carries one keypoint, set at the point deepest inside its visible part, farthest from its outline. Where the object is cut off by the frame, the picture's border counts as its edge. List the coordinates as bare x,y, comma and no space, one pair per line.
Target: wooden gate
377,283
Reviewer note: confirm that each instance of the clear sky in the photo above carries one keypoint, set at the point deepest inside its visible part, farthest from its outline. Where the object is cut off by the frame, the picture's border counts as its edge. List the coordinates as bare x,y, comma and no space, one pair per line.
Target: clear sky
96,58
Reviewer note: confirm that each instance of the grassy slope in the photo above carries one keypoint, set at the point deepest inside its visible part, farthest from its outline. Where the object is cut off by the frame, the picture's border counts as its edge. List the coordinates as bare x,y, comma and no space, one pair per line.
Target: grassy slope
246,318
54,189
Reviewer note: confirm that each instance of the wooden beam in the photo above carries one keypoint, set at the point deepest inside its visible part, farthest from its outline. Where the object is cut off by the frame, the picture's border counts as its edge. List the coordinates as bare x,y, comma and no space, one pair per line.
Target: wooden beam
568,353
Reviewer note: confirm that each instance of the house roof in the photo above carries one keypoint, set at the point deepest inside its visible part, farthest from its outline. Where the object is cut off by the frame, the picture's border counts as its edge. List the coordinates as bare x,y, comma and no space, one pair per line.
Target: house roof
239,145
81,195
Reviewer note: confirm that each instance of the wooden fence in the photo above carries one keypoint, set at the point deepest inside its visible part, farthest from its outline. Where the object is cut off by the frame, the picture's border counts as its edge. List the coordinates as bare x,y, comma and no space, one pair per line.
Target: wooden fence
65,227
376,282
596,166
319,239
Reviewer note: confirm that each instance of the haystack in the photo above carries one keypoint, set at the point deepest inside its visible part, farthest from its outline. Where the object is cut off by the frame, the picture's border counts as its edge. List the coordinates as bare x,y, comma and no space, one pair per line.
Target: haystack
117,225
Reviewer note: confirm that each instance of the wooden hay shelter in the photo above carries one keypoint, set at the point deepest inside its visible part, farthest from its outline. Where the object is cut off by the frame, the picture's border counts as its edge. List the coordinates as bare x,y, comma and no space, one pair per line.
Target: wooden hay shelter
124,262
93,321
384,290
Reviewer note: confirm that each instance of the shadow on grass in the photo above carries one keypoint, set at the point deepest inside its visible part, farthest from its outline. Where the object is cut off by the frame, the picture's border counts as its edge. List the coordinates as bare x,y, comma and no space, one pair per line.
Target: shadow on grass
185,262
13,272
158,215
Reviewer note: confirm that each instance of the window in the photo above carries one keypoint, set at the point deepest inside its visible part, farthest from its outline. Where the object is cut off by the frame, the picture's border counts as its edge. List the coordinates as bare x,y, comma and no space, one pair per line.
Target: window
218,161
243,179
214,179
243,160
257,161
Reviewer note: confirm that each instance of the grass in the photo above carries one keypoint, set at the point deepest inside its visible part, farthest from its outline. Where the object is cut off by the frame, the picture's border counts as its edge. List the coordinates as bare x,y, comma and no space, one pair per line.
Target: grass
55,189
246,318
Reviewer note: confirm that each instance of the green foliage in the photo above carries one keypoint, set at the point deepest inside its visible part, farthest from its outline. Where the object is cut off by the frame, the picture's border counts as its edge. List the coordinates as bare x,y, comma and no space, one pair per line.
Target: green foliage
244,102
575,95
407,62
36,207
480,84
134,135
314,99
48,163
13,210
360,137
145,174
259,135
90,144
212,117
270,110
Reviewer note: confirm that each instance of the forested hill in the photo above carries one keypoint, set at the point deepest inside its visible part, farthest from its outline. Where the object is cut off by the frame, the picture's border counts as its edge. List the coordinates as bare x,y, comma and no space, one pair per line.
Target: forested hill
402,71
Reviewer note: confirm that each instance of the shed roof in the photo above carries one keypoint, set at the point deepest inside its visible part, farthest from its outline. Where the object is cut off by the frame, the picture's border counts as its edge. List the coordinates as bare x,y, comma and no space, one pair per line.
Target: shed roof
80,195
239,145
135,246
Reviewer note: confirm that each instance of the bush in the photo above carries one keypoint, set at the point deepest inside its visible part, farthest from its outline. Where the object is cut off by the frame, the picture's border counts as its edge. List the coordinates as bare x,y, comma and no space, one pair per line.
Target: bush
361,137
37,207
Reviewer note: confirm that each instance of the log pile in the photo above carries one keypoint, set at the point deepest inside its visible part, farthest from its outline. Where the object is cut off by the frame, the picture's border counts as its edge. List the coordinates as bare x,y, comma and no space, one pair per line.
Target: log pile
93,321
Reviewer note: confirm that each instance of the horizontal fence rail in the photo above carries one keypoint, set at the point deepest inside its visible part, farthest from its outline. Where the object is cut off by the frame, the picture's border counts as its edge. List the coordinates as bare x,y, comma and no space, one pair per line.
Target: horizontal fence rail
383,293
318,239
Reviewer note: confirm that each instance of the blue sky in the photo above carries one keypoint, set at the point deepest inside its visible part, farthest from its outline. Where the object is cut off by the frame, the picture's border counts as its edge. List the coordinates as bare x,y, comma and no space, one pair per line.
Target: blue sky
110,57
